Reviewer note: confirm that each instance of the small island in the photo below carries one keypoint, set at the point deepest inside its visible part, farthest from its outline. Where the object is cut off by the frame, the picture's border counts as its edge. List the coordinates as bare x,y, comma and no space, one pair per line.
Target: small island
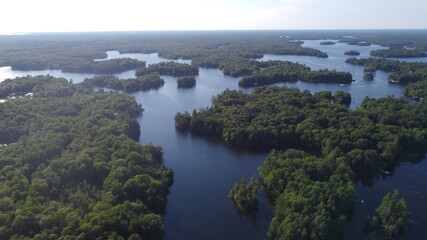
186,82
103,67
391,217
169,69
245,195
369,73
363,44
144,83
284,71
327,43
352,53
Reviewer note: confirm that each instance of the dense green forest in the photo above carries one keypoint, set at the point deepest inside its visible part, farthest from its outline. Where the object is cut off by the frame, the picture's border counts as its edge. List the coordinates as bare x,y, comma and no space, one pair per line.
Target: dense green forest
400,72
398,53
168,68
144,83
352,53
336,146
40,86
186,82
417,90
72,168
271,72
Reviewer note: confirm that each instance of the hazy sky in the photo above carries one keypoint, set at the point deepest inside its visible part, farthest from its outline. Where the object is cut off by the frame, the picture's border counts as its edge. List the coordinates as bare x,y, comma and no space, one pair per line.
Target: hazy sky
123,15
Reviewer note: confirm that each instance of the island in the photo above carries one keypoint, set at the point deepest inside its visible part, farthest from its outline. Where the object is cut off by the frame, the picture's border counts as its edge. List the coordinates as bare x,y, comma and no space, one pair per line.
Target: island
400,72
327,43
186,82
143,83
271,72
369,73
352,53
245,195
391,217
103,67
168,68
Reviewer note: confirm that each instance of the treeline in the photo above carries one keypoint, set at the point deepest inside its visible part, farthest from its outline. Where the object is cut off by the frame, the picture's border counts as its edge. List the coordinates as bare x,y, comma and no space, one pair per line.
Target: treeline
144,83
400,72
398,53
335,147
271,72
73,170
168,68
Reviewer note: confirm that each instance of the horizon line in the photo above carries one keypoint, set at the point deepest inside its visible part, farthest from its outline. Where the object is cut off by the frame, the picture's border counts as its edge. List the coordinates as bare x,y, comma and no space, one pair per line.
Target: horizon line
207,30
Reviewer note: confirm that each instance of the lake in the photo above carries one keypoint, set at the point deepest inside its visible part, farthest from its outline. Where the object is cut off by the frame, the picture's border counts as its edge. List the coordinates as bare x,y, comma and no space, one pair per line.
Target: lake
206,169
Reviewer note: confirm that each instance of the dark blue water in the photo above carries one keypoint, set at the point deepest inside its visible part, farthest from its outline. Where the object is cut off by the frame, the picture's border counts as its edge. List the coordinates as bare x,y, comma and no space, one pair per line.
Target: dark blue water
205,169
411,180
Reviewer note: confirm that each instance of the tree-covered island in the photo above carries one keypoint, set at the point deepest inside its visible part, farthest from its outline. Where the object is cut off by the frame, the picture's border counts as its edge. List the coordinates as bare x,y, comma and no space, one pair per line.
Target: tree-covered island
271,72
352,53
143,83
186,82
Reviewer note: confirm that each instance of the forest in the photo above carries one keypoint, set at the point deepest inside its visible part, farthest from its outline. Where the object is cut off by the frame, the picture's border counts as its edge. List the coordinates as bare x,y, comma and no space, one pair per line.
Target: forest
72,167
323,147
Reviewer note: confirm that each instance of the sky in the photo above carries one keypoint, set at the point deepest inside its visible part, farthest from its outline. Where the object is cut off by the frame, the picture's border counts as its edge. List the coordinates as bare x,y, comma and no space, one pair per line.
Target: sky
133,15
